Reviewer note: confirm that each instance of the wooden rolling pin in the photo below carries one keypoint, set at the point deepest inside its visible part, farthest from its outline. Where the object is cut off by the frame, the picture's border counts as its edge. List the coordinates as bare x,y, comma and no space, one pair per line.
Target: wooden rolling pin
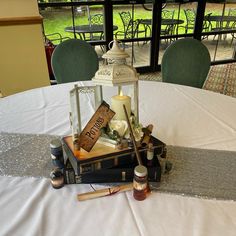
104,192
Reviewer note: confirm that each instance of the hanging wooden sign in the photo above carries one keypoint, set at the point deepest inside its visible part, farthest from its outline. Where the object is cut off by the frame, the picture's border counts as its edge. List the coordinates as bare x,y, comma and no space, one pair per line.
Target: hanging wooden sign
91,131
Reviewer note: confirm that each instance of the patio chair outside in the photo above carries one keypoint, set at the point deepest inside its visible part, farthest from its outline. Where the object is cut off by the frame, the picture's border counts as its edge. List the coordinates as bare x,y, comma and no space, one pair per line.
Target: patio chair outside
128,24
167,14
232,12
54,37
190,15
186,62
131,32
224,25
96,19
74,60
206,25
169,28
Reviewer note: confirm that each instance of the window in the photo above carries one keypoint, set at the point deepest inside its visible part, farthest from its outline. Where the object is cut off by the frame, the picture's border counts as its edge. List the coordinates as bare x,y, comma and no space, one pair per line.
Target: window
144,30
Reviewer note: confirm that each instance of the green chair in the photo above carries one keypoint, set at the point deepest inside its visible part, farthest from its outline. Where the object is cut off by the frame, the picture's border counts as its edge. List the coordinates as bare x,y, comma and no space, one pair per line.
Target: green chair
74,60
186,62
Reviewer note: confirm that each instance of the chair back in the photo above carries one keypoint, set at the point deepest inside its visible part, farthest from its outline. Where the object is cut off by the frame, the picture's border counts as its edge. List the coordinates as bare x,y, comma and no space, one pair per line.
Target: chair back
125,18
132,29
167,29
74,60
207,23
96,19
232,12
130,26
190,15
167,14
186,62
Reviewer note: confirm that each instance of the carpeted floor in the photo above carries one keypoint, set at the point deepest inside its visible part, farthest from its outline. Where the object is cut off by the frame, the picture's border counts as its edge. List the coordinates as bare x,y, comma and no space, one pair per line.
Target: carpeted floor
221,79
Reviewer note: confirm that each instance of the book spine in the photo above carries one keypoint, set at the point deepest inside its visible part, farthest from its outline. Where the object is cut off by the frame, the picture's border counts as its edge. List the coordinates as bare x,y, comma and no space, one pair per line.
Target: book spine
68,155
112,161
110,176
106,163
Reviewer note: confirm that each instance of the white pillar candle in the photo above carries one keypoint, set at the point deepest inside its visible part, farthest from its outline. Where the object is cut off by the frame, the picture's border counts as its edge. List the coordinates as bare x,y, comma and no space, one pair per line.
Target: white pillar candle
117,103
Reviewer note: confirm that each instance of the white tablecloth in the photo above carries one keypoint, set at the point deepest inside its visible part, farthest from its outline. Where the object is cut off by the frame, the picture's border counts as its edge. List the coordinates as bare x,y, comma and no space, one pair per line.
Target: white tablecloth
181,116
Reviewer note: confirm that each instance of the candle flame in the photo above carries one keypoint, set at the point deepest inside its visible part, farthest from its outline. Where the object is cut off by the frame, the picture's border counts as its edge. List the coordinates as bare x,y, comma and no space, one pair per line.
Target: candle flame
121,93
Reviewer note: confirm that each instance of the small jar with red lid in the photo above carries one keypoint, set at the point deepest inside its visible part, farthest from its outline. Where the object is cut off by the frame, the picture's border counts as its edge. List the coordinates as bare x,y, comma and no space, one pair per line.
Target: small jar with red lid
140,183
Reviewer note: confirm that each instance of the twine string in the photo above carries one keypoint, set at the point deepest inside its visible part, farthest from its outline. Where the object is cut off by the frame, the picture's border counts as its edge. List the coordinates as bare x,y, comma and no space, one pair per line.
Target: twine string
113,191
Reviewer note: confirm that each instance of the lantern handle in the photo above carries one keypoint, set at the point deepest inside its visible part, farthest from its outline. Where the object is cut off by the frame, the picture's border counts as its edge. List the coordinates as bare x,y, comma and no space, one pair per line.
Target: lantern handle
109,45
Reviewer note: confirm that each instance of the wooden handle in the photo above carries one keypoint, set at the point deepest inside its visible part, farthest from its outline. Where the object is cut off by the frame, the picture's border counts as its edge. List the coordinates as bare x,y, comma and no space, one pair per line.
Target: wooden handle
147,135
133,138
104,192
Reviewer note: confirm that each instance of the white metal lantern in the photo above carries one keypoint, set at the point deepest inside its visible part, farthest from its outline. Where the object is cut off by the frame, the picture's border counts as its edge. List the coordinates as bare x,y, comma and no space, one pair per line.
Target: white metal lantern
118,73
75,113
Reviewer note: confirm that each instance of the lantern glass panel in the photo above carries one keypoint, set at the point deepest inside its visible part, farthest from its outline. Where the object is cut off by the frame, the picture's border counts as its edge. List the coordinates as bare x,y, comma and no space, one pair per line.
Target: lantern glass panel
83,99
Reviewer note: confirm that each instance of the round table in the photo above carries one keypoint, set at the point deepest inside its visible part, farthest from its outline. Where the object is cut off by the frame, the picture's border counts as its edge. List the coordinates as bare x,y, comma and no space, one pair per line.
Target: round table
87,29
181,115
220,18
219,21
169,23
163,21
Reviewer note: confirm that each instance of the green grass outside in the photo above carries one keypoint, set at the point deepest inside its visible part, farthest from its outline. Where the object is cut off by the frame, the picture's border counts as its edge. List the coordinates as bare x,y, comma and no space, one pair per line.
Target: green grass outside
56,20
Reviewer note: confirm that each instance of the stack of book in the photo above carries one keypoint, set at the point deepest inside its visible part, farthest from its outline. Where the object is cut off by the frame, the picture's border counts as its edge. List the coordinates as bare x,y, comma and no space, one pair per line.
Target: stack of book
106,163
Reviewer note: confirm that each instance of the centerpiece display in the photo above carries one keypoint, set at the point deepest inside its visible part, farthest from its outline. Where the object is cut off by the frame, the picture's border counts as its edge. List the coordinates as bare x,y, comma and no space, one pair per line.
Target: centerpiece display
103,151
118,74
125,78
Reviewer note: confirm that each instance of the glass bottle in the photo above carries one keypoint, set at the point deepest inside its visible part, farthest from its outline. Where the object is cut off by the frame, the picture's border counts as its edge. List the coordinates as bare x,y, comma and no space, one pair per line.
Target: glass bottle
150,154
57,178
57,153
140,183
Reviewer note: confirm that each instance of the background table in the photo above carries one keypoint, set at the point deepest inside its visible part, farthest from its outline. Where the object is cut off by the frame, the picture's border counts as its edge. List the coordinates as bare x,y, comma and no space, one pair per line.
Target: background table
82,30
166,22
181,115
163,21
220,20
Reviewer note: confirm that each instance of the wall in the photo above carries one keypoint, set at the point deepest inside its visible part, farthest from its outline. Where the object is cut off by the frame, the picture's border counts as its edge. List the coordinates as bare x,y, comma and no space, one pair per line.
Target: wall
22,62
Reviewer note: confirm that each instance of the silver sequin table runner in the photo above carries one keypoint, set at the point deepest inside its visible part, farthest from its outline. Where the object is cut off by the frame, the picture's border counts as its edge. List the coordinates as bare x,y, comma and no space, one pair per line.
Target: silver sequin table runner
201,173
25,155
195,172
